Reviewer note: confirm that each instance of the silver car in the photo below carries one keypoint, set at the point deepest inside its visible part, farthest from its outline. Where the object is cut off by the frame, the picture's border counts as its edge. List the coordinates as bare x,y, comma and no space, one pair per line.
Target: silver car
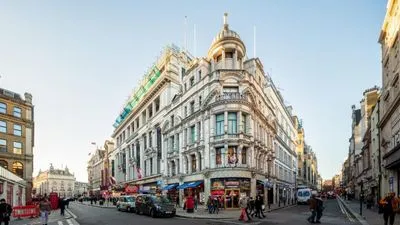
126,203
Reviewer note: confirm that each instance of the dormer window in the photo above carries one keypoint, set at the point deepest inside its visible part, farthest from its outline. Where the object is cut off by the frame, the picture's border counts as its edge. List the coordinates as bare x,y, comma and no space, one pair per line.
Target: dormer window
228,54
191,81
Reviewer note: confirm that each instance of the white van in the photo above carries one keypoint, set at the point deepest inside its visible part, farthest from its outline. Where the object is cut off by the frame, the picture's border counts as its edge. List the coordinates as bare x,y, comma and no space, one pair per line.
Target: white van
303,195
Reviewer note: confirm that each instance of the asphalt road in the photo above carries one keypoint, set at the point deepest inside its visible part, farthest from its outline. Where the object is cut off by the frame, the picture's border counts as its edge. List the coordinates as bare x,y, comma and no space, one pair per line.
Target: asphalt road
297,215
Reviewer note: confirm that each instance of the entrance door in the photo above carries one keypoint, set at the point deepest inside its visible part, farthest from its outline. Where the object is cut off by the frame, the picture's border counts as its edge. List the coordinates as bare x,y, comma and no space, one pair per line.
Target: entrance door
232,198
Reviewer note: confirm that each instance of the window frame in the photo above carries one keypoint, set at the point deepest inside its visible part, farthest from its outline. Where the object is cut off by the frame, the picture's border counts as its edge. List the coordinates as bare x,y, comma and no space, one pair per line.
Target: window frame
219,124
16,113
15,130
3,108
3,146
20,147
232,123
3,126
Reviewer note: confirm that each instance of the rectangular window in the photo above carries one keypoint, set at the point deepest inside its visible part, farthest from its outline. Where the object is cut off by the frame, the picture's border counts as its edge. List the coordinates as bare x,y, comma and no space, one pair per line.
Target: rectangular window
150,139
244,155
144,117
199,74
177,142
191,81
185,87
157,103
3,127
137,123
194,166
232,155
172,121
218,158
183,71
232,123
3,107
137,155
185,111
219,124
192,134
151,166
244,123
192,107
150,109
199,101
198,130
17,112
17,148
3,145
145,141
17,130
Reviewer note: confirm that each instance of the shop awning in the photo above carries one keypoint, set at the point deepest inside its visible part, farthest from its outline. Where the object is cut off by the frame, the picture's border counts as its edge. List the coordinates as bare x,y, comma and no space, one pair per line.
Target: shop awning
189,185
169,187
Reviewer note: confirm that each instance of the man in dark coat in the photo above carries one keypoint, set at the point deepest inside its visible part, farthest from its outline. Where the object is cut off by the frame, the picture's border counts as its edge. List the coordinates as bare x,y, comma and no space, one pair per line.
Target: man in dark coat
5,211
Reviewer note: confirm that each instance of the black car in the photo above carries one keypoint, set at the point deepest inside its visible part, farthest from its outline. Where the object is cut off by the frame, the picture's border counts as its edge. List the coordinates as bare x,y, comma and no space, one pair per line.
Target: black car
155,206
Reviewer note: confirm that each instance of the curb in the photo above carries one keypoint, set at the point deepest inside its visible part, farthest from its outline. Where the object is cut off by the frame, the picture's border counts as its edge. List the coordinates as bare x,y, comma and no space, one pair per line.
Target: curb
225,218
357,216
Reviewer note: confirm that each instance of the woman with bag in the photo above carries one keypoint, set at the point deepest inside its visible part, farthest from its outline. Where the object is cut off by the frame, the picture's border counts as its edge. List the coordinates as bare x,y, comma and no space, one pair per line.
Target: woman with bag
45,208
243,206
259,207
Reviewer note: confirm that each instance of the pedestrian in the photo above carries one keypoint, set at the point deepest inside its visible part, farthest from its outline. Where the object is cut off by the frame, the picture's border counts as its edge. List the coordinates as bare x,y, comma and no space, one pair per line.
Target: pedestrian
243,205
177,201
45,209
62,206
215,205
313,208
5,211
258,204
390,206
248,208
320,209
195,202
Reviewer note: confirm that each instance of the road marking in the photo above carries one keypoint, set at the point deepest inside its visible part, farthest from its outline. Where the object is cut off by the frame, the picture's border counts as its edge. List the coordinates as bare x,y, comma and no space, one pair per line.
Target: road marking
60,222
69,222
72,214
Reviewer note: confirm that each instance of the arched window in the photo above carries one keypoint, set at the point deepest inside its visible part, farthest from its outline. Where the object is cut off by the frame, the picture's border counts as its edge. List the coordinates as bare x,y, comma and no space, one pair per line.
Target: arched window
4,164
18,169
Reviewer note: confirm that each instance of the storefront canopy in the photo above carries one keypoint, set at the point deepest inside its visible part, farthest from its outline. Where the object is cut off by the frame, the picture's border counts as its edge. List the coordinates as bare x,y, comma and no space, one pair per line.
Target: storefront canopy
189,185
169,187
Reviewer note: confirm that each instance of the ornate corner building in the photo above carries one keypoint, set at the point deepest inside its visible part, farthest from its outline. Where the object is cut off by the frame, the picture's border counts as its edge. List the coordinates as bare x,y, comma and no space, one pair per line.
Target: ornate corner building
17,138
206,126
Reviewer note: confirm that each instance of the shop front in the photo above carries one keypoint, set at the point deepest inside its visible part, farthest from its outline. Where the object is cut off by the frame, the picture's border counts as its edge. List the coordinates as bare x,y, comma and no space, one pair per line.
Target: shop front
194,188
230,190
260,187
171,192
148,188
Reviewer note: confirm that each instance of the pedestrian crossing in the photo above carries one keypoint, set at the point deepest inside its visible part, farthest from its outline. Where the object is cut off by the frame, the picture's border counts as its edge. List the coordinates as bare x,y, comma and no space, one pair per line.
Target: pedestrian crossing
67,222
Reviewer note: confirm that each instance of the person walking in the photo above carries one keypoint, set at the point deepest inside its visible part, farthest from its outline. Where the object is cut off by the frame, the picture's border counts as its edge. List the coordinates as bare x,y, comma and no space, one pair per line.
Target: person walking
390,206
258,204
45,209
243,206
5,212
248,208
313,208
61,203
320,209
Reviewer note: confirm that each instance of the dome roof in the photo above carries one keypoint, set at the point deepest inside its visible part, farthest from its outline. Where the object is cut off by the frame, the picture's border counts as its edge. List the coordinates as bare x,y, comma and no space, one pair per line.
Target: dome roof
226,35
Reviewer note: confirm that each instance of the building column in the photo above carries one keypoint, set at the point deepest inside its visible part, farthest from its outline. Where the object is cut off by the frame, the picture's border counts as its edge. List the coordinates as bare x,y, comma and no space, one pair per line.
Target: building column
239,122
127,166
253,187
225,122
212,125
176,166
239,155
189,164
207,188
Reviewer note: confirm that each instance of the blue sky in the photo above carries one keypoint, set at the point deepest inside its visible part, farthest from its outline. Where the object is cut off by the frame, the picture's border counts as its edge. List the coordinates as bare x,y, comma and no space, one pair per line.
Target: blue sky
81,59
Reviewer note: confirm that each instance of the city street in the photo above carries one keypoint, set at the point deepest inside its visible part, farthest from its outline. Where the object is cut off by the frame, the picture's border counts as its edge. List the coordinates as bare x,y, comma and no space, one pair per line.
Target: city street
296,215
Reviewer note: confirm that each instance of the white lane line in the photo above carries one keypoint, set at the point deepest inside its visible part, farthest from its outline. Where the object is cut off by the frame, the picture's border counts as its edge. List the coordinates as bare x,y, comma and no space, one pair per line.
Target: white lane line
69,222
72,214
60,222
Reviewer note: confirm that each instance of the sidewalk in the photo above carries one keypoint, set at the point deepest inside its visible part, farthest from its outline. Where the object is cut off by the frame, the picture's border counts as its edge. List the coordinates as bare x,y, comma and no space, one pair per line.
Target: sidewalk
202,212
370,216
53,217
105,205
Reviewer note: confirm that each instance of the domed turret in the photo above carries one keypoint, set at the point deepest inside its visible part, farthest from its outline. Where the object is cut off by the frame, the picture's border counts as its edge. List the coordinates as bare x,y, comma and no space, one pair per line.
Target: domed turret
227,49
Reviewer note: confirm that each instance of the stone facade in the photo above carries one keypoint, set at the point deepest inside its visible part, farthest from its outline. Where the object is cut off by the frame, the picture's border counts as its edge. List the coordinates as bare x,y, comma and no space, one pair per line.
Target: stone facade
95,171
389,115
81,189
17,135
208,121
60,181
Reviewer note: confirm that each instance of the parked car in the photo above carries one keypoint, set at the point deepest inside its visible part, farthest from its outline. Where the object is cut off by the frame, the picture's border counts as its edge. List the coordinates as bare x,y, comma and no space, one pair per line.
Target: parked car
155,206
126,203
